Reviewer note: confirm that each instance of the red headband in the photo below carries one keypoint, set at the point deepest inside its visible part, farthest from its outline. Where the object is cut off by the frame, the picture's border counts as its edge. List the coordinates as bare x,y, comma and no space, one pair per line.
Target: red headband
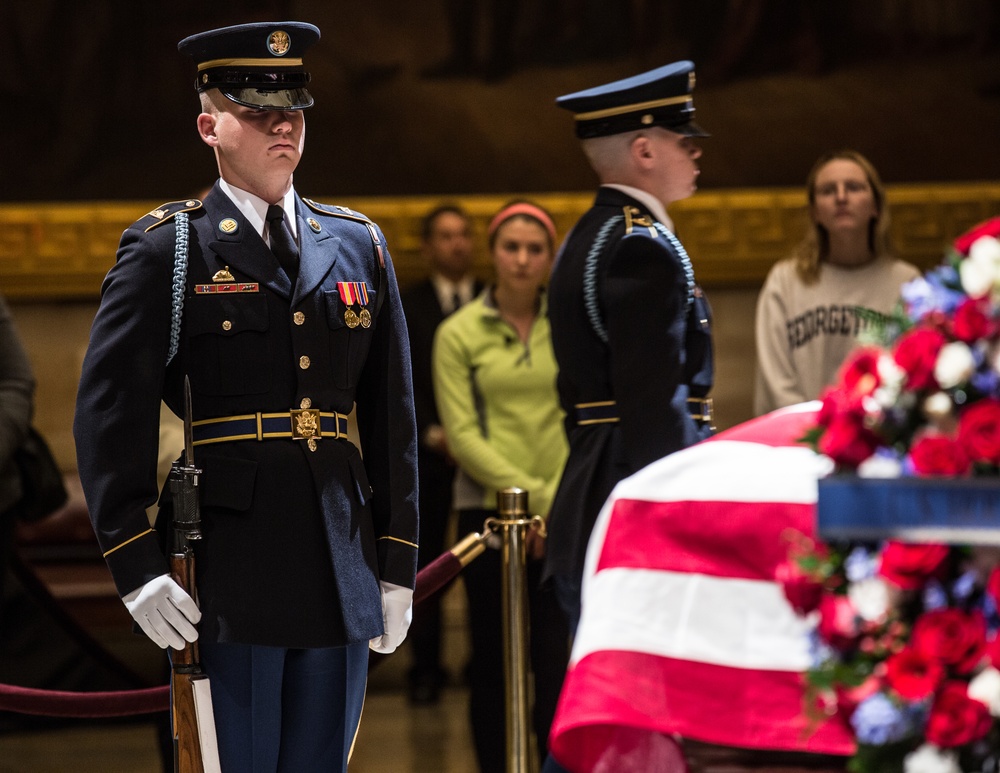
522,208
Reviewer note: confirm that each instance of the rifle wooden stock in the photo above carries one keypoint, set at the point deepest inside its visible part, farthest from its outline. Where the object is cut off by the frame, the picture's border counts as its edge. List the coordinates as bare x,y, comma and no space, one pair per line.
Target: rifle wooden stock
185,671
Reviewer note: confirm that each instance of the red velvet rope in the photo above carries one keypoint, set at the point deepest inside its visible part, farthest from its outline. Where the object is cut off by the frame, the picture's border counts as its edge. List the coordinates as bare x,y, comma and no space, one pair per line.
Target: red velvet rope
433,577
91,705
83,705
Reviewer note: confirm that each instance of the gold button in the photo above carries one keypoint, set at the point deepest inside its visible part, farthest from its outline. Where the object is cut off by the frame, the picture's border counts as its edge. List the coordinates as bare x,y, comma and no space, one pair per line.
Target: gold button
312,444
306,403
304,362
299,318
227,325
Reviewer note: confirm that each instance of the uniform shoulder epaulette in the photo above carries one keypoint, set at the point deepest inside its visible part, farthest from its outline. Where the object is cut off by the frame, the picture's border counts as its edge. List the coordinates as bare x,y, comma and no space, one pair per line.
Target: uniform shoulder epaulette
336,211
634,218
350,214
165,212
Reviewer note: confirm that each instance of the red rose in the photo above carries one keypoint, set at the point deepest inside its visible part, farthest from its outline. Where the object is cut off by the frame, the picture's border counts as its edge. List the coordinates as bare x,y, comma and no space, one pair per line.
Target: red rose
847,440
993,651
979,431
956,638
802,591
965,241
910,566
971,320
934,454
955,718
916,352
838,621
838,401
913,674
859,373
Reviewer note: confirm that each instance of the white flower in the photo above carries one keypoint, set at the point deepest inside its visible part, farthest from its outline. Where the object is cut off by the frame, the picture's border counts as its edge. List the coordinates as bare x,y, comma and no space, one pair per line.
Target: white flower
886,398
930,759
871,407
880,466
979,272
985,688
870,598
890,375
937,406
954,365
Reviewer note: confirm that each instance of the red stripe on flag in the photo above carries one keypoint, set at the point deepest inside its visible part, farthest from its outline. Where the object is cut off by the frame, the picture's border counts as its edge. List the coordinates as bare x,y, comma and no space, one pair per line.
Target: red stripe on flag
714,704
781,428
738,540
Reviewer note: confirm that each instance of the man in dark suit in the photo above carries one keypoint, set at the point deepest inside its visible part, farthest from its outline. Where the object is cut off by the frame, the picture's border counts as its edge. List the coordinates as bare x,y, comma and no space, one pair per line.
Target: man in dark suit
446,240
630,328
283,313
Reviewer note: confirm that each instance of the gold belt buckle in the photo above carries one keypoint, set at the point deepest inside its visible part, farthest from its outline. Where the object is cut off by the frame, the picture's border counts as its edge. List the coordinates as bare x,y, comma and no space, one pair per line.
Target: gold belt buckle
305,425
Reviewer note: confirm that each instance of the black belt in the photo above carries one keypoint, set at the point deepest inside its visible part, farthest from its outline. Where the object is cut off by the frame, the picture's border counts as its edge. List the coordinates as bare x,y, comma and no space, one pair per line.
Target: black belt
606,411
305,424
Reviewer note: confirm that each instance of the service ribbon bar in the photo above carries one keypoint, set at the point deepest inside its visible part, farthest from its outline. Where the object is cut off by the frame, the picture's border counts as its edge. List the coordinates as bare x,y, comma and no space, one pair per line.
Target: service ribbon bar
353,293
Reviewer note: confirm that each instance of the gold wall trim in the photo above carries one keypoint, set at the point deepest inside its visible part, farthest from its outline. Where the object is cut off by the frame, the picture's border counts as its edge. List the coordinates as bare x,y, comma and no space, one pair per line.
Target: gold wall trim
61,251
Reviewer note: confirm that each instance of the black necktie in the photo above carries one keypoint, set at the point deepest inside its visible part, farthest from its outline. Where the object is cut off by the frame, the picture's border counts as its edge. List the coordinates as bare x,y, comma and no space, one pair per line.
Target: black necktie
282,244
456,302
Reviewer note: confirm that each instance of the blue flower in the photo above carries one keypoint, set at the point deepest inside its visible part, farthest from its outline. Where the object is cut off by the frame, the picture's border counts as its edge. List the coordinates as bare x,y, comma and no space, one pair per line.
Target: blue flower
934,596
878,720
933,292
986,381
963,586
918,295
860,565
819,651
988,606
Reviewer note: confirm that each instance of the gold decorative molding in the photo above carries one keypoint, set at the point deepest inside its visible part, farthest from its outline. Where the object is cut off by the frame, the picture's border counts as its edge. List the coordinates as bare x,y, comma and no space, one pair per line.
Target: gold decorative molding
55,251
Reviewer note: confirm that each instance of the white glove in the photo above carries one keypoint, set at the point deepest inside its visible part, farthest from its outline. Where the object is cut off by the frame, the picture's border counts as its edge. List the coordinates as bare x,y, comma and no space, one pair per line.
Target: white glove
164,611
397,614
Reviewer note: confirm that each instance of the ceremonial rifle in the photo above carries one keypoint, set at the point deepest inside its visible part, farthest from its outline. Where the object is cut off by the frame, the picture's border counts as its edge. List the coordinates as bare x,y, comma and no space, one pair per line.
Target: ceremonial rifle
195,746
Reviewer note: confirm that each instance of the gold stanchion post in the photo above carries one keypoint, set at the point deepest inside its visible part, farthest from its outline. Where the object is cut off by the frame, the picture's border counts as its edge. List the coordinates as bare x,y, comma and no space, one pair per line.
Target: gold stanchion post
513,523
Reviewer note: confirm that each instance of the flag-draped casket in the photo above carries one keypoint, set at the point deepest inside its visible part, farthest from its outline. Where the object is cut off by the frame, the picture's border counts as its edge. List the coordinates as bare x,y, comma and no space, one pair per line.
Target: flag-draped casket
684,629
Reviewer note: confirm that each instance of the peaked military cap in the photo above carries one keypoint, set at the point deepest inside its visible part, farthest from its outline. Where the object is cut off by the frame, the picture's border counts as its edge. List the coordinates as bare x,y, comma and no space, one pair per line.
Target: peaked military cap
661,97
255,65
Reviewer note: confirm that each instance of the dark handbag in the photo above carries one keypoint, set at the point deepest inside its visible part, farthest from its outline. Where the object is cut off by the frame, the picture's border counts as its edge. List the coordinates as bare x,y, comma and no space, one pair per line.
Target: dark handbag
43,491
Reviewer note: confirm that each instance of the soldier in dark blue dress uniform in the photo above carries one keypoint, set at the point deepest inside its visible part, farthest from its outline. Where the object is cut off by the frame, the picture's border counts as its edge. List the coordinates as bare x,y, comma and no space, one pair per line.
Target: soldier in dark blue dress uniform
630,327
284,313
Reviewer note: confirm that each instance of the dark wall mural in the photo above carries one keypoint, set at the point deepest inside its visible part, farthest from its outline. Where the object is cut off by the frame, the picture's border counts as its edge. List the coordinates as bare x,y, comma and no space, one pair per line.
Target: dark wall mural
456,96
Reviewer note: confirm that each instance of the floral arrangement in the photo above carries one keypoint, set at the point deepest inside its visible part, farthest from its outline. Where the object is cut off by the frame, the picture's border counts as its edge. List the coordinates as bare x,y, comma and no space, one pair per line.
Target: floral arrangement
906,645
926,401
906,649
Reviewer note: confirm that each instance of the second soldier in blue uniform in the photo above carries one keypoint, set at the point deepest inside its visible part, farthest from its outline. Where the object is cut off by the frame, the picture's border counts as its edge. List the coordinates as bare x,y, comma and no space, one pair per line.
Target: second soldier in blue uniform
630,328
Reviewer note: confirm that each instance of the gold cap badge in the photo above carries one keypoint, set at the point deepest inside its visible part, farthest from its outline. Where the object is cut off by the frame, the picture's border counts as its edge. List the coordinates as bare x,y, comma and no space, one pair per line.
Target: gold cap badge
278,42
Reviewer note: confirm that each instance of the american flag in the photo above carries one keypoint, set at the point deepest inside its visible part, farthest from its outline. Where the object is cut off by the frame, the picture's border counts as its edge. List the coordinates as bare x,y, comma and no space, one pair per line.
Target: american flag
684,630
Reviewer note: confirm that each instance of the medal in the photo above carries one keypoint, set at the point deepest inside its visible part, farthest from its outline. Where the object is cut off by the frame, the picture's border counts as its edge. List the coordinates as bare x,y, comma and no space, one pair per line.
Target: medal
366,318
351,319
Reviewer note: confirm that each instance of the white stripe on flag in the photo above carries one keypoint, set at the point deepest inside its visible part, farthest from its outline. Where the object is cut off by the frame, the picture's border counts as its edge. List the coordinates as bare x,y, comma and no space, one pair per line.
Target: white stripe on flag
730,470
736,623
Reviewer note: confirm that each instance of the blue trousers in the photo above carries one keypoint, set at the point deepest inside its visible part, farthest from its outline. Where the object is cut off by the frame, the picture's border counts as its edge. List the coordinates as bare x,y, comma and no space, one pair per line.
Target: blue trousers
280,710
